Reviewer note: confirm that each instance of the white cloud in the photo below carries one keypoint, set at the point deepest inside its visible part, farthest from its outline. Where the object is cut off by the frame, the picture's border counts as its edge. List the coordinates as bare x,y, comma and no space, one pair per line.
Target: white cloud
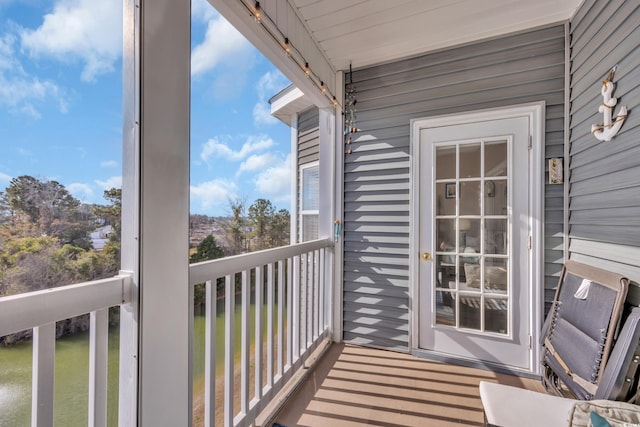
111,182
21,93
262,114
4,177
109,164
85,30
257,162
212,194
81,191
222,45
215,148
269,84
275,182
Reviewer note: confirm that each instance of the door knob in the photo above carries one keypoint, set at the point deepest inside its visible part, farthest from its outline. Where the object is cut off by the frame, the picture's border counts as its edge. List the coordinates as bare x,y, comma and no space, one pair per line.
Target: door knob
426,256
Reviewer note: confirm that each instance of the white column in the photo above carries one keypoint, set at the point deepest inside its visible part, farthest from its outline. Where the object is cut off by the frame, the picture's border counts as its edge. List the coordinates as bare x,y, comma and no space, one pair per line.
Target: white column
130,229
293,230
156,196
331,149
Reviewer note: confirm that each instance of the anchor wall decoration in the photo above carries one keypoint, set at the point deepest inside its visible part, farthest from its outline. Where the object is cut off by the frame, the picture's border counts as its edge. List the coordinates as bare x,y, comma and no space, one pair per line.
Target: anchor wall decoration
610,128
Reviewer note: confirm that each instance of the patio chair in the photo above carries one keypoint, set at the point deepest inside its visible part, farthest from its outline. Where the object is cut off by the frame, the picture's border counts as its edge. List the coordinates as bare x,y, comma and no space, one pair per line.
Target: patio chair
582,324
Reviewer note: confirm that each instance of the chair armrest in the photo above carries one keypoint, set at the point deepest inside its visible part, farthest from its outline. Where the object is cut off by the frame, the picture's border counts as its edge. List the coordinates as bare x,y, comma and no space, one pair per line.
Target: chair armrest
508,406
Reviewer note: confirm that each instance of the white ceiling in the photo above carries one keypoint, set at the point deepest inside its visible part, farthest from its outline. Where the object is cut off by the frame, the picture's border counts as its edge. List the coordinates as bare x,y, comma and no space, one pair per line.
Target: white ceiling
367,32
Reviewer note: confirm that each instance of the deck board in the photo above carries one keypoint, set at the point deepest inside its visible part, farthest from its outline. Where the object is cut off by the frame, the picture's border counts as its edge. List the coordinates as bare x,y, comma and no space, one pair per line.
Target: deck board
357,386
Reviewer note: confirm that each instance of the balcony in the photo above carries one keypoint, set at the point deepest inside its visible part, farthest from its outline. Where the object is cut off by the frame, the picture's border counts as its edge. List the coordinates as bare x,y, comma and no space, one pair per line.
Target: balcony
291,314
284,291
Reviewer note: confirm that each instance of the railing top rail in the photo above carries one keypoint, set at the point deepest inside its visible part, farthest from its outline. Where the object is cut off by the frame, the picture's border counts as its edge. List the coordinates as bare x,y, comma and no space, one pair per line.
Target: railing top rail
202,271
25,311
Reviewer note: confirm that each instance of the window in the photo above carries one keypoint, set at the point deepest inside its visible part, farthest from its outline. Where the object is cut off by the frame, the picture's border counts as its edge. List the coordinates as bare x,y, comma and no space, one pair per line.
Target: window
309,201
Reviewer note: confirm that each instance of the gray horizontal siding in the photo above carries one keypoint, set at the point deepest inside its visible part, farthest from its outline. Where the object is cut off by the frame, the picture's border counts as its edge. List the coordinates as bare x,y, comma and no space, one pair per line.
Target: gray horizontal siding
524,67
308,137
604,197
308,120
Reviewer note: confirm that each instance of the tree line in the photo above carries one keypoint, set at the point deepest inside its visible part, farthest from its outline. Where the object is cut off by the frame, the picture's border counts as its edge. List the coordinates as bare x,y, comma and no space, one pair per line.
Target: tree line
45,239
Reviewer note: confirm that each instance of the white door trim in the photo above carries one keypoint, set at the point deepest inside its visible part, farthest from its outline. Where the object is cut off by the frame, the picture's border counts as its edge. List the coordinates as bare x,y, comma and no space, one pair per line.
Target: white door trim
536,113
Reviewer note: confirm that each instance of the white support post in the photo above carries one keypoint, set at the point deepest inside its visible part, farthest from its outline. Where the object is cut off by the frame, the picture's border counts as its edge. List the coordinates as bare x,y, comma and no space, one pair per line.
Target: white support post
295,320
291,262
270,331
210,353
164,392
316,294
229,348
322,292
280,345
258,332
244,345
130,215
98,363
304,306
44,354
331,147
293,226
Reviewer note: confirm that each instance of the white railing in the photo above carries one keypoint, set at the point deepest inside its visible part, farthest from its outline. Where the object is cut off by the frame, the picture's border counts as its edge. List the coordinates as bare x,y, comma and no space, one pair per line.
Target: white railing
297,300
295,293
40,311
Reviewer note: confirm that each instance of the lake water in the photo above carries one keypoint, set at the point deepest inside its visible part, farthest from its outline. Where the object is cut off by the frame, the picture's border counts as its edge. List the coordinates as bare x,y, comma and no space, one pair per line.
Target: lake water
71,375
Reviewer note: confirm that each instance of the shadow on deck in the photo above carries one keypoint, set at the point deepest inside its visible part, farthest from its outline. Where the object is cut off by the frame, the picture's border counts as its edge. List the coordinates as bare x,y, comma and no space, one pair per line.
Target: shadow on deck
356,386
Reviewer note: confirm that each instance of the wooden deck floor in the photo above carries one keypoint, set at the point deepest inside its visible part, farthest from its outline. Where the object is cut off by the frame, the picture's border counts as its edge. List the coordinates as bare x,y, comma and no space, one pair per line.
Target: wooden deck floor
356,386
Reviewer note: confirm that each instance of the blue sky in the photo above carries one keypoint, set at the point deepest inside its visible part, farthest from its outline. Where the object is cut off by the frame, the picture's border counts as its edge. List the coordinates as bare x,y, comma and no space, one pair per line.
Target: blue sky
61,104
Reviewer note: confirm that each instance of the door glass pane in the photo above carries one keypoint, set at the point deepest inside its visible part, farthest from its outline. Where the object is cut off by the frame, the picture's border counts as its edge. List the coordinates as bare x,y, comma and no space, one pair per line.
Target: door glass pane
470,274
495,314
446,268
469,235
470,160
446,161
495,236
446,235
495,275
470,311
446,198
445,308
495,159
470,198
495,201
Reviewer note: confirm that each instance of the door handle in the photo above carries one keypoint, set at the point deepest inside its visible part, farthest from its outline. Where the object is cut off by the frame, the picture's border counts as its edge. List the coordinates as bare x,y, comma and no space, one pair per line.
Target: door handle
426,256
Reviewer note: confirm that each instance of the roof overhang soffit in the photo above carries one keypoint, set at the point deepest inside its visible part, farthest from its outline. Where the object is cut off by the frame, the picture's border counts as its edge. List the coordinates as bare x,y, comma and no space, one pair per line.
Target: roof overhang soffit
279,19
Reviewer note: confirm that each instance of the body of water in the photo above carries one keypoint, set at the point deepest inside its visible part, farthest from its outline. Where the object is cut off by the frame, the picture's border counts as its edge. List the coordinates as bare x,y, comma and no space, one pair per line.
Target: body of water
71,374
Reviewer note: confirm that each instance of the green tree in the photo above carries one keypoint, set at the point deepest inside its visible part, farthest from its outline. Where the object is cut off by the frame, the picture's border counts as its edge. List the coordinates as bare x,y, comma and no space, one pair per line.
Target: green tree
280,228
261,218
49,208
112,212
235,227
207,250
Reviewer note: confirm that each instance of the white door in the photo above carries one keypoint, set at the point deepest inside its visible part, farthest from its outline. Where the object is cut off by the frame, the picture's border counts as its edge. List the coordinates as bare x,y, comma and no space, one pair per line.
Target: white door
474,224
